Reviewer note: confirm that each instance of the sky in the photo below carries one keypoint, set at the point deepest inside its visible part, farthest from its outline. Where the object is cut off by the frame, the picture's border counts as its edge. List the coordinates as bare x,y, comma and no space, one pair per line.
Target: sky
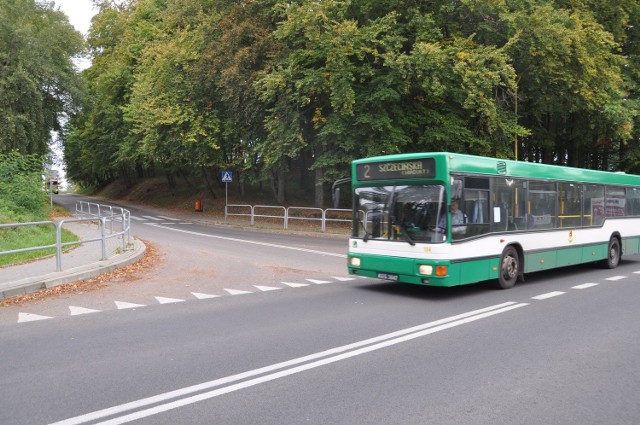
79,13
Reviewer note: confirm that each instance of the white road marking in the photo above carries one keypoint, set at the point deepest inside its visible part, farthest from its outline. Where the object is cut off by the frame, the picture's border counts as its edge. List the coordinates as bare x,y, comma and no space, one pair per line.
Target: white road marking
133,217
75,311
202,296
344,279
122,305
29,317
548,295
152,218
318,282
585,285
271,245
295,285
163,300
169,218
293,366
614,278
266,288
237,291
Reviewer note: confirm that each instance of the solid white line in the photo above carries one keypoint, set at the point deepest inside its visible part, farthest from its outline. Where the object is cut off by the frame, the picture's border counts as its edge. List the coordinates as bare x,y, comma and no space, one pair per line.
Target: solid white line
271,245
548,295
638,272
277,375
585,285
614,278
426,327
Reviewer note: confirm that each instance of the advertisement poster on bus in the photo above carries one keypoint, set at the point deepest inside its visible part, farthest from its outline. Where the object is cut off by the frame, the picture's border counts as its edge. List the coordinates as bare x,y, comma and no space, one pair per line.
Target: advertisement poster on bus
614,207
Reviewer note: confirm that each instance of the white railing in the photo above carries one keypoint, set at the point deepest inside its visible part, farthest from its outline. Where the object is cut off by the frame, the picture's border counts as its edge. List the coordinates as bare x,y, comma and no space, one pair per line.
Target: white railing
289,214
114,223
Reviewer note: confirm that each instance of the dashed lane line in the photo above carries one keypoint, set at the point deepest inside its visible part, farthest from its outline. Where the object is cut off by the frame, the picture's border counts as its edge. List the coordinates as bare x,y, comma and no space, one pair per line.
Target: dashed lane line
266,288
614,278
28,317
295,285
164,300
237,291
122,305
318,282
548,295
202,296
585,286
76,311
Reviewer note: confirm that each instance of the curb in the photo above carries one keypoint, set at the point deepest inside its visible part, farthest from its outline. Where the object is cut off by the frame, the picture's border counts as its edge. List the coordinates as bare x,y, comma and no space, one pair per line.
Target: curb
34,284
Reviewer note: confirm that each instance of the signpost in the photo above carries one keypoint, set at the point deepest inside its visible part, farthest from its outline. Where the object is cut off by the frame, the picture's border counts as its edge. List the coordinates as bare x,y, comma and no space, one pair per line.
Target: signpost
227,177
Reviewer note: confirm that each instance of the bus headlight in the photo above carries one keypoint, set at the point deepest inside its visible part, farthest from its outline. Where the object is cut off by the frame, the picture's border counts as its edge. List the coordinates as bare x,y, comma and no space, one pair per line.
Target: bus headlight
425,269
354,261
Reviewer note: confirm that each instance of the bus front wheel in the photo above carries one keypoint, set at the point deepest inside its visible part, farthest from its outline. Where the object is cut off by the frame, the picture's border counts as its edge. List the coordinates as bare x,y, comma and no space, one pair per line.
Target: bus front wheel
509,268
613,254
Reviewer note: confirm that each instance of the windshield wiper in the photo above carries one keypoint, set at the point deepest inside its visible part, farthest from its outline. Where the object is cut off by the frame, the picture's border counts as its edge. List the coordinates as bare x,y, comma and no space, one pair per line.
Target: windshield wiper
367,234
407,236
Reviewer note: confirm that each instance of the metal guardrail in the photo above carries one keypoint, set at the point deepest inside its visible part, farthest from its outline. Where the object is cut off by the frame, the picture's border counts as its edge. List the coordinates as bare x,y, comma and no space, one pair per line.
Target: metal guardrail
288,214
111,224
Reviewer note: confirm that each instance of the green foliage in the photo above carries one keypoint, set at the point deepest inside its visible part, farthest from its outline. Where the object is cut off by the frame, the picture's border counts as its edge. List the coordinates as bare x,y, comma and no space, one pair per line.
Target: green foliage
274,87
38,82
21,186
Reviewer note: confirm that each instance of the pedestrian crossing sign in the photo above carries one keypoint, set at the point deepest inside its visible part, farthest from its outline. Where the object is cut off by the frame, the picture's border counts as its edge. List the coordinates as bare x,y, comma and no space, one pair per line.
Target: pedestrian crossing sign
227,176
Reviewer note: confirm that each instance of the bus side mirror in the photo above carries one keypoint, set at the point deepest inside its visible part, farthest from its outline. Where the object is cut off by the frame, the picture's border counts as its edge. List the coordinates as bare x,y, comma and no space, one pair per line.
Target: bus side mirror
335,189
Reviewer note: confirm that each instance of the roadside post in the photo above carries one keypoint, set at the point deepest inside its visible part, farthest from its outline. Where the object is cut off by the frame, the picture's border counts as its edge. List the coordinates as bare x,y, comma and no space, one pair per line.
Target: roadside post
227,177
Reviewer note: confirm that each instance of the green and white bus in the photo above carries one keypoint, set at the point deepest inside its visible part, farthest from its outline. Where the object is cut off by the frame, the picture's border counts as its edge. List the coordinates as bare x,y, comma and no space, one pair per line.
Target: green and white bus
513,218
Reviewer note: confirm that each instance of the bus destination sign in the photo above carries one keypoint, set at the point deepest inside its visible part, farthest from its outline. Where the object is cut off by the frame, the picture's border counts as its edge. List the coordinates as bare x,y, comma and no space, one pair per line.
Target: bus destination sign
393,170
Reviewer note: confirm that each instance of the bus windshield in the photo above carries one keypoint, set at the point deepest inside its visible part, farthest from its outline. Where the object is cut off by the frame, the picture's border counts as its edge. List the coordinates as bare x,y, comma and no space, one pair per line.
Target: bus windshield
409,213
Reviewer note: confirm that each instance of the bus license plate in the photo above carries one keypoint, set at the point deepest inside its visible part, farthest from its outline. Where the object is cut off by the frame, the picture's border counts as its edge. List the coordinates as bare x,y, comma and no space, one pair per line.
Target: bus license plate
387,276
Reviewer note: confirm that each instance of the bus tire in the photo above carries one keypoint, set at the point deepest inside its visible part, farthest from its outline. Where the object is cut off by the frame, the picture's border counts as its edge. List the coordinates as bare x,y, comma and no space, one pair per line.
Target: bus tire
509,268
614,253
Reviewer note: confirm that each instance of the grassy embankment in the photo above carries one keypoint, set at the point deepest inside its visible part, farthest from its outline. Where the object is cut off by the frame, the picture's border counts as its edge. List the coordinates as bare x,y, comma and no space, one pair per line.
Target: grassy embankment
30,236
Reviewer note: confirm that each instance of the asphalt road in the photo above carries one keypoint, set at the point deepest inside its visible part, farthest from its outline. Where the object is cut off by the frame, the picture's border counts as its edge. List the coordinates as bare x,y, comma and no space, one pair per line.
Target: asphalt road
561,348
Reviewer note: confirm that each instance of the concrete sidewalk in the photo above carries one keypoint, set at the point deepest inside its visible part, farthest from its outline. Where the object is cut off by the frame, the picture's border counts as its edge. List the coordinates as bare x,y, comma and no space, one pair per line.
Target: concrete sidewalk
80,263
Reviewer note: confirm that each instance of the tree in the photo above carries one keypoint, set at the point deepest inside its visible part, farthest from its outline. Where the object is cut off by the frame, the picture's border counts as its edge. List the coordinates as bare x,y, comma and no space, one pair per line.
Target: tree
38,82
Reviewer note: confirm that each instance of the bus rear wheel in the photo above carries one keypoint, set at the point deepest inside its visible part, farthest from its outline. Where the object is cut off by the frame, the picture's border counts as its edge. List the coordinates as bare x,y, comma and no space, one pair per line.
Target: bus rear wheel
613,254
509,268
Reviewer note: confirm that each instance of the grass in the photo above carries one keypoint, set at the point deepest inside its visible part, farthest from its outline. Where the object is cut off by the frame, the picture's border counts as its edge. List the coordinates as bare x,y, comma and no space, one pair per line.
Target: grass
33,236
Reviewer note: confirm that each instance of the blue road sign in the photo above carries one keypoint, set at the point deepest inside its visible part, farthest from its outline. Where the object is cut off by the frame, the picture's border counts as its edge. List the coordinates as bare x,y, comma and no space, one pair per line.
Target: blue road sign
227,176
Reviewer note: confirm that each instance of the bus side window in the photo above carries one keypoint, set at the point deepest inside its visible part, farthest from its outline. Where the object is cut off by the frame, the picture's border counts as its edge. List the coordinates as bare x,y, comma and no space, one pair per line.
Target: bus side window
475,205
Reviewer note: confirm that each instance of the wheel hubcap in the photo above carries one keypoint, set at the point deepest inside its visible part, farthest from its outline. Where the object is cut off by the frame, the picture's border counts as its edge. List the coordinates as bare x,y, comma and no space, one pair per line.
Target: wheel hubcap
510,267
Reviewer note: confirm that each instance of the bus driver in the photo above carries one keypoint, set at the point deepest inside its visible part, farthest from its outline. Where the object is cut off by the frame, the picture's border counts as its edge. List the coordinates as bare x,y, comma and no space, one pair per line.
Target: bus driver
458,219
